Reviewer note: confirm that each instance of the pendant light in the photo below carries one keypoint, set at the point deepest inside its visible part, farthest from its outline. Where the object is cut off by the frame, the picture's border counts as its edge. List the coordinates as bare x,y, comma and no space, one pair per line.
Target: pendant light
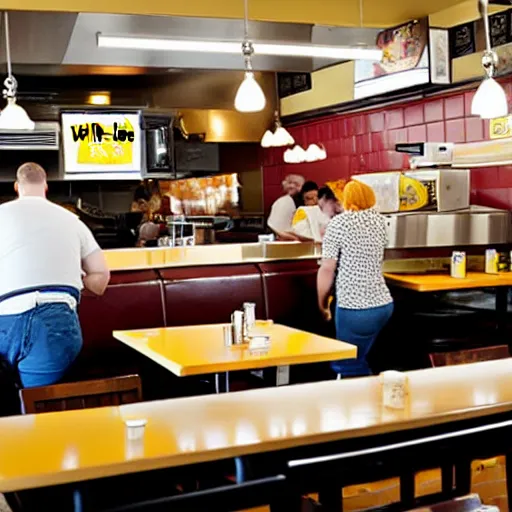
250,96
280,137
490,100
12,117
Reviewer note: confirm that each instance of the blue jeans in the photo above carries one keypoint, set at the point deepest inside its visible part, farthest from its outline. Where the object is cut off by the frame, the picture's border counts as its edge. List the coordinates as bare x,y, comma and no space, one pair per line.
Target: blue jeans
359,327
41,343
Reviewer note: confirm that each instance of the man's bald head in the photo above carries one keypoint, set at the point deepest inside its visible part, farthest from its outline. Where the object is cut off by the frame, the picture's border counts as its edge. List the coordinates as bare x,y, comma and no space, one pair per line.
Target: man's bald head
31,180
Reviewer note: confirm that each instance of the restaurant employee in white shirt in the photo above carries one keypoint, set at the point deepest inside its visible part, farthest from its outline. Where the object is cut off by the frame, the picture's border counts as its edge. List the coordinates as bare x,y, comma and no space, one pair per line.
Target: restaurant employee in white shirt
47,255
283,209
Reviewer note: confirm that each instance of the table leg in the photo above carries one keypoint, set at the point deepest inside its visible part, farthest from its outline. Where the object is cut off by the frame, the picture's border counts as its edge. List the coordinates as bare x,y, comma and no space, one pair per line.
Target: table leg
218,387
501,309
243,470
283,376
78,505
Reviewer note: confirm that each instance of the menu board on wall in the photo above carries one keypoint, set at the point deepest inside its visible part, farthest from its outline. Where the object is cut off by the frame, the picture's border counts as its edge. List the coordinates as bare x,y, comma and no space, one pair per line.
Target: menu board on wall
469,38
293,83
462,40
498,24
101,142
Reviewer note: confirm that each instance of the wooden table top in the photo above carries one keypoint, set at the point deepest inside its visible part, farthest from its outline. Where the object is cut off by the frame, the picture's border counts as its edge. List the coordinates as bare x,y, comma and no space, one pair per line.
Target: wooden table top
198,350
439,282
64,447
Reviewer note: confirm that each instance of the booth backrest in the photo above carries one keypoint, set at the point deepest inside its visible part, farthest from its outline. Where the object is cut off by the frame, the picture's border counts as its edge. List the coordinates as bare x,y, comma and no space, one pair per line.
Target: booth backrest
283,291
209,294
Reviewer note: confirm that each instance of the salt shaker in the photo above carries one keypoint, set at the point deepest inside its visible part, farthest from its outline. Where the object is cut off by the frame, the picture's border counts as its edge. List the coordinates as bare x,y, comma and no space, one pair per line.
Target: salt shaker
237,321
228,335
249,318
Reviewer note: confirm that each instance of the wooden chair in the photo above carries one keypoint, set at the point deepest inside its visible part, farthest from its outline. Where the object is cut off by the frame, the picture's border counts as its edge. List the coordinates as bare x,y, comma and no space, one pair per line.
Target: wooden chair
82,395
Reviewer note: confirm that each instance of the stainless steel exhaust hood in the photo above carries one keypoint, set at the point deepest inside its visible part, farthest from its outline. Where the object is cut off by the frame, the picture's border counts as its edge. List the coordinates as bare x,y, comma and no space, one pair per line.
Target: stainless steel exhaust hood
69,40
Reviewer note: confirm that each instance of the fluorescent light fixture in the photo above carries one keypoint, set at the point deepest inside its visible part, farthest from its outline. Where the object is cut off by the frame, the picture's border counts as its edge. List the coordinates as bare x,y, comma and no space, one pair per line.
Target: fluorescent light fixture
233,47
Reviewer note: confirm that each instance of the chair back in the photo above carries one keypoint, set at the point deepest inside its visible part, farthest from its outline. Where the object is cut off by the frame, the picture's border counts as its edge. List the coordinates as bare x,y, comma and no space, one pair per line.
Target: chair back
82,395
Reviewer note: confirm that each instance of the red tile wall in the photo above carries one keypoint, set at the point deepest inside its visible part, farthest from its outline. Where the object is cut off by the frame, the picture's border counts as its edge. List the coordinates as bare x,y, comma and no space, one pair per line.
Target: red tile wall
364,142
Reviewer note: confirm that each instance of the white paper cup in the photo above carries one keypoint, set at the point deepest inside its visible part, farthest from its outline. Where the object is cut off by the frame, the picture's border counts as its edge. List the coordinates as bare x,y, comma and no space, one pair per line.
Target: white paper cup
394,389
135,429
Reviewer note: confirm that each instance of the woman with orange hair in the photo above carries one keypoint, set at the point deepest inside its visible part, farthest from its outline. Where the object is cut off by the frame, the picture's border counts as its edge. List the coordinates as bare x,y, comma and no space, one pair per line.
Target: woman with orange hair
353,251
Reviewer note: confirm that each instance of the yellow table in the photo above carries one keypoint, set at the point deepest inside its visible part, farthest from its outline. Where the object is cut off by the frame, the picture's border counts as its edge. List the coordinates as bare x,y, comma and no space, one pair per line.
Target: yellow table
443,282
57,448
199,350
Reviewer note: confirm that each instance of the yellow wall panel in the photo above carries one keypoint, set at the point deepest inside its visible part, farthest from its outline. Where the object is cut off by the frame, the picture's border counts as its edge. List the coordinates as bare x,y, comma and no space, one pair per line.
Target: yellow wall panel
331,86
325,12
462,12
467,67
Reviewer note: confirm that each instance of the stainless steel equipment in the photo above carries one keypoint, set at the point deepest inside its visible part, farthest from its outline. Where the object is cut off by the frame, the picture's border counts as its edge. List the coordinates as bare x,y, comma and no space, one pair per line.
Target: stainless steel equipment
203,227
181,233
476,225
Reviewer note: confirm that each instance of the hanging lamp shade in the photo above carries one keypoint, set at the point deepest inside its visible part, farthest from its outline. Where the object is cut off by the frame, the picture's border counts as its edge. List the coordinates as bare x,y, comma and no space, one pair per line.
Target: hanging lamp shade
14,117
250,97
490,100
283,138
267,141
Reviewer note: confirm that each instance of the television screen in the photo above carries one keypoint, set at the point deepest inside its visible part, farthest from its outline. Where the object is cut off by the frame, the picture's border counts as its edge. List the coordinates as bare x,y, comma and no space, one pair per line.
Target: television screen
405,61
101,142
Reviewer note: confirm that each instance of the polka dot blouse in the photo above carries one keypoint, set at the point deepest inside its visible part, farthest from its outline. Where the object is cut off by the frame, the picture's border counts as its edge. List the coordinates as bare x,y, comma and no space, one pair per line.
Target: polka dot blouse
357,241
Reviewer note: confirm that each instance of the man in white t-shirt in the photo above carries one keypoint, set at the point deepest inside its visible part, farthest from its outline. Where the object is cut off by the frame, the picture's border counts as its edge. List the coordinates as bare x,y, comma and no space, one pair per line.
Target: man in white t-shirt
47,256
283,209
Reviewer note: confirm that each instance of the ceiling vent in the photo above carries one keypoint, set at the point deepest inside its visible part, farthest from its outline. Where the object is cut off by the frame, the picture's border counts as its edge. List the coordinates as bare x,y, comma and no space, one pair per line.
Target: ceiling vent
45,136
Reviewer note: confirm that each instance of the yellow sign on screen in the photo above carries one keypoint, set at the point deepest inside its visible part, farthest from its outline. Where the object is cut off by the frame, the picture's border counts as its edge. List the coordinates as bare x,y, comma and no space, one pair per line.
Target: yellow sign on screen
102,144
499,128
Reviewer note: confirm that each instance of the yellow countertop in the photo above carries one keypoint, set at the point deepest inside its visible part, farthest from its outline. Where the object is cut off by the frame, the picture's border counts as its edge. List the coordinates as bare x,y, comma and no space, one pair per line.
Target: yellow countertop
64,447
216,254
198,350
440,282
